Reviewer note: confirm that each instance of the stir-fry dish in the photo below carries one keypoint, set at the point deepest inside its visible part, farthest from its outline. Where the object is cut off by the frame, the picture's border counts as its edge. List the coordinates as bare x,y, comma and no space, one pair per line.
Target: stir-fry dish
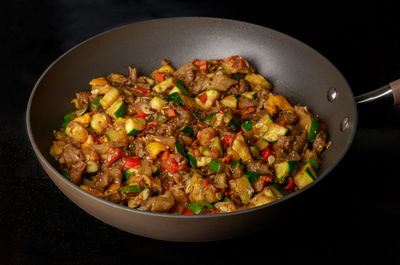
209,137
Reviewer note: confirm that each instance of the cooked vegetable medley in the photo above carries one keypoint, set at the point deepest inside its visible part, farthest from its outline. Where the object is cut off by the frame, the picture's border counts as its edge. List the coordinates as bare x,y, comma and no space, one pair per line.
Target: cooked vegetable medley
207,138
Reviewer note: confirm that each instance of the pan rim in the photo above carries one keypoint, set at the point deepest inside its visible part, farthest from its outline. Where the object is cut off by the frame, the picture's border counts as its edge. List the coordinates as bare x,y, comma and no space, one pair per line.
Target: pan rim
76,188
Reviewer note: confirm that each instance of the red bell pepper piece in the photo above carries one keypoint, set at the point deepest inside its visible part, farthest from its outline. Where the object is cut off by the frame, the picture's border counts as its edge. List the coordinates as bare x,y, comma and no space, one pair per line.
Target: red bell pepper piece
282,122
231,58
323,126
159,77
187,212
227,140
132,162
203,97
170,165
266,179
202,64
114,155
171,112
165,155
266,153
143,90
141,114
248,110
290,185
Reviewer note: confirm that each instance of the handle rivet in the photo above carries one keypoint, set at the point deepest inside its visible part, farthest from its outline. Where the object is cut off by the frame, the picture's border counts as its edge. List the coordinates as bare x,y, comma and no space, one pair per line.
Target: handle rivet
332,94
345,124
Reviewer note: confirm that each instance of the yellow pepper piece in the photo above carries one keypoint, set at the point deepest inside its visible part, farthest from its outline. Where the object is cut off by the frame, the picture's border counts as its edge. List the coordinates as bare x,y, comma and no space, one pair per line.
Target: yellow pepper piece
89,141
100,81
75,102
275,102
165,68
256,79
155,148
84,119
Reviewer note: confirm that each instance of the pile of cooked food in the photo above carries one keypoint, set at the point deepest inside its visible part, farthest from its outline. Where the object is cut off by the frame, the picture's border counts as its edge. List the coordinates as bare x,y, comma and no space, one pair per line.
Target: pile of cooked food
209,137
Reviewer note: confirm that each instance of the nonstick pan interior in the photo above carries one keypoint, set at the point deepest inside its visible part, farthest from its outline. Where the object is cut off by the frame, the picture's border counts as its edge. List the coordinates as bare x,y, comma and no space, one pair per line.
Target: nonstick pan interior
296,70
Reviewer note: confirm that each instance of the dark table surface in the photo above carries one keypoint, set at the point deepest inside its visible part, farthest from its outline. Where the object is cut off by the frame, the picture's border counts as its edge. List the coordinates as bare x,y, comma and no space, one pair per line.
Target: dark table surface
353,214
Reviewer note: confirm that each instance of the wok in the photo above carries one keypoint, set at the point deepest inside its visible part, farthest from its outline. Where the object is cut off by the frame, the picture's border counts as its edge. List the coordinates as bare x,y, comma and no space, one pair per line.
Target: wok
296,70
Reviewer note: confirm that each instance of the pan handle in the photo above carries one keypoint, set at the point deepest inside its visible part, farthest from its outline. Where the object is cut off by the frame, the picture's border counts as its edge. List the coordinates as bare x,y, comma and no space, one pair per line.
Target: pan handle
390,92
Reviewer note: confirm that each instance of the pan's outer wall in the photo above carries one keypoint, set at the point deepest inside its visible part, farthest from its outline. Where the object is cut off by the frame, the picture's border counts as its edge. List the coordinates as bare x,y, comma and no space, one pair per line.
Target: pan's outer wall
297,71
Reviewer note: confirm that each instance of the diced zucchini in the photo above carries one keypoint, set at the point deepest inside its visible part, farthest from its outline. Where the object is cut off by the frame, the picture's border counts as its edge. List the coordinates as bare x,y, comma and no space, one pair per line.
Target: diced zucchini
99,122
277,190
187,129
154,170
312,128
115,134
230,102
109,98
262,126
91,167
306,176
179,148
242,188
214,145
180,88
134,125
203,161
263,197
250,94
234,122
261,144
160,119
157,103
274,132
248,125
208,119
177,98
313,162
67,118
239,145
198,207
130,172
206,99
117,109
96,102
257,80
192,161
82,111
150,81
130,189
285,169
215,166
163,86
253,176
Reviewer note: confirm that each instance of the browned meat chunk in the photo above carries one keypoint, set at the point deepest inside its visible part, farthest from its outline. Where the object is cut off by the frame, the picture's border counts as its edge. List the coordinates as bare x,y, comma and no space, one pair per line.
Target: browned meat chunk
289,116
71,155
258,167
187,74
160,203
319,142
76,172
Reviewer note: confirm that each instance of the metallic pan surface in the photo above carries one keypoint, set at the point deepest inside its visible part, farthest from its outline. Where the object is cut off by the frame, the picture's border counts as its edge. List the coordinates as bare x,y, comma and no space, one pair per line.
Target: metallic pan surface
296,70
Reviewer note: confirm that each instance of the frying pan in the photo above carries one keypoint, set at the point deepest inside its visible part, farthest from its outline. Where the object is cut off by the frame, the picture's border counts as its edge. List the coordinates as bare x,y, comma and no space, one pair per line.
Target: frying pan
296,70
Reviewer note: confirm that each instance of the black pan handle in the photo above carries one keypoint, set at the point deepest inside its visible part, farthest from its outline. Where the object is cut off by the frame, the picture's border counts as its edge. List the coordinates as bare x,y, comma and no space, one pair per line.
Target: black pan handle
390,93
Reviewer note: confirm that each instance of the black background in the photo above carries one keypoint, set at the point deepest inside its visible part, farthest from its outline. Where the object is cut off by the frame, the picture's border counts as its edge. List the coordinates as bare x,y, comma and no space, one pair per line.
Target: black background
352,215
